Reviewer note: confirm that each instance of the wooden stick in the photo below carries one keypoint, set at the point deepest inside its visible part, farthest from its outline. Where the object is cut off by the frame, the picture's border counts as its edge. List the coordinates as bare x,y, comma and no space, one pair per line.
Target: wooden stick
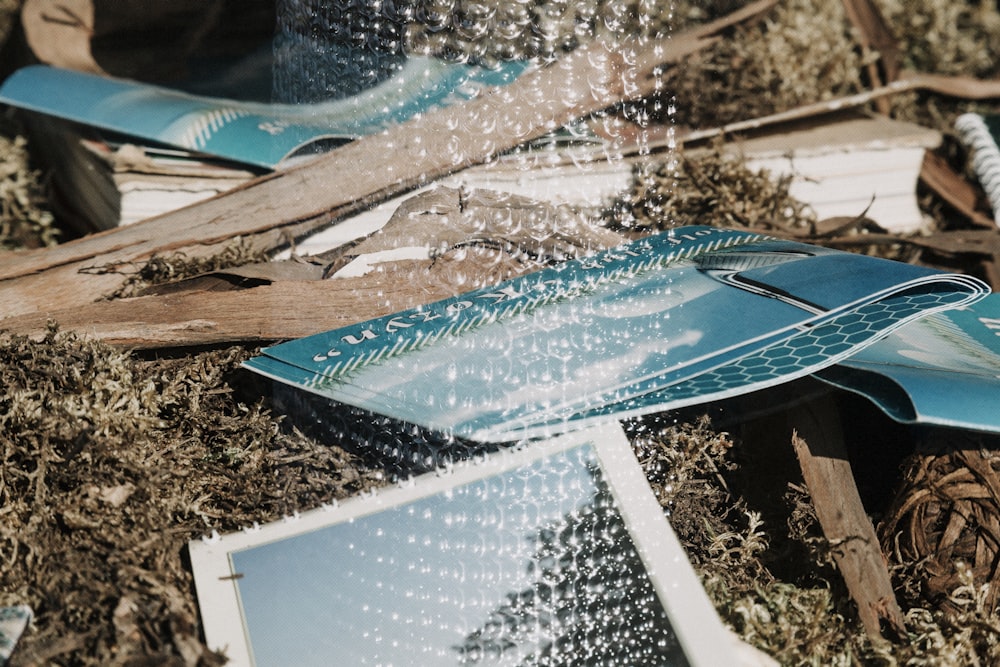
819,445
363,172
280,310
961,87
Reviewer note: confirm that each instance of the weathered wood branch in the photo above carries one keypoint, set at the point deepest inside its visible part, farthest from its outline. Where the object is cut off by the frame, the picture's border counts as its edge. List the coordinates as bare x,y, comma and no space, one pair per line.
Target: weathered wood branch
478,238
961,87
952,187
268,312
819,445
365,171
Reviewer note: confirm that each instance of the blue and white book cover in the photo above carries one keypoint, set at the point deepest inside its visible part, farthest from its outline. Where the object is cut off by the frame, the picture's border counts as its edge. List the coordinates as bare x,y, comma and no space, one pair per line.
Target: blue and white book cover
251,133
519,557
679,318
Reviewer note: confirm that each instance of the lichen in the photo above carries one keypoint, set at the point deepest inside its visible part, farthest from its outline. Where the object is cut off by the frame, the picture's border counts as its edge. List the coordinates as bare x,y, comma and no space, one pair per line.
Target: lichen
162,269
25,221
710,187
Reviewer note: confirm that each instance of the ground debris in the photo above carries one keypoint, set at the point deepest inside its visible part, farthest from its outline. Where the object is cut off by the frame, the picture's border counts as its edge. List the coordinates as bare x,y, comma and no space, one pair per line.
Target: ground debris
25,221
110,464
110,461
707,188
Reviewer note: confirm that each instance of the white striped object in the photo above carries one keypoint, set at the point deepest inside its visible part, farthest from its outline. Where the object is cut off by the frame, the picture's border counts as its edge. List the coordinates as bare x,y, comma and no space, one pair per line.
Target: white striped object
976,135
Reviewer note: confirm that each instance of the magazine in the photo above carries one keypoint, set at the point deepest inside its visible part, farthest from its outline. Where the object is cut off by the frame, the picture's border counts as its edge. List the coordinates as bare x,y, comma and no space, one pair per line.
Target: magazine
943,369
532,555
257,134
682,317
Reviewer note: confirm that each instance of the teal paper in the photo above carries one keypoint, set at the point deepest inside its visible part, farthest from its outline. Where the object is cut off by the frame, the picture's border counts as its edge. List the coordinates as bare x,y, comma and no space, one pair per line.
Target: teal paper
683,317
943,369
251,133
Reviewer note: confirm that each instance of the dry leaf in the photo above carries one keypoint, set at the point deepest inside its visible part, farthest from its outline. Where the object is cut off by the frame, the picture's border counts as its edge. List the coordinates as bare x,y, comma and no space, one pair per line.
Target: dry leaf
59,33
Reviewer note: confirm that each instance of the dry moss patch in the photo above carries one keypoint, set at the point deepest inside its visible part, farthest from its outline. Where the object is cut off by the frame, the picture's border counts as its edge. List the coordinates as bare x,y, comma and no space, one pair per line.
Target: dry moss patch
110,464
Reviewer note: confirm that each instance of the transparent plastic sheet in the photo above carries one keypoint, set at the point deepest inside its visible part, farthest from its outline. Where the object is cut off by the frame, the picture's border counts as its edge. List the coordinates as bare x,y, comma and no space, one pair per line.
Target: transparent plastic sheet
529,567
330,50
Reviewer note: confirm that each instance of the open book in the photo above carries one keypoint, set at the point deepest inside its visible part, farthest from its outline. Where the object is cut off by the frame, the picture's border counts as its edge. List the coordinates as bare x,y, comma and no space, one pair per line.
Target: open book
679,318
121,151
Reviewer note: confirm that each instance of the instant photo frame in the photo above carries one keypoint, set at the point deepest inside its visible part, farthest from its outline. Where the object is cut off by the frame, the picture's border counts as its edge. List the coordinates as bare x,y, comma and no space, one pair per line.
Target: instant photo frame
483,562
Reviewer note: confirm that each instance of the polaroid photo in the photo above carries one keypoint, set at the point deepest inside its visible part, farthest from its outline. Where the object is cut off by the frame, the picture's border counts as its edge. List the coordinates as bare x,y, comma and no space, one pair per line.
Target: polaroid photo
553,552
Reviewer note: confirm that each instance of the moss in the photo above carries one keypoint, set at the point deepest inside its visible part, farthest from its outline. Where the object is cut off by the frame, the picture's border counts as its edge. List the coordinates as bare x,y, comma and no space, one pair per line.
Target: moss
25,221
800,52
109,464
707,188
160,270
946,37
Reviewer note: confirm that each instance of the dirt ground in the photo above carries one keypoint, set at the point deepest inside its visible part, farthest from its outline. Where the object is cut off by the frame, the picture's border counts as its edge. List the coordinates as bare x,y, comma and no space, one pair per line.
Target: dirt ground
111,461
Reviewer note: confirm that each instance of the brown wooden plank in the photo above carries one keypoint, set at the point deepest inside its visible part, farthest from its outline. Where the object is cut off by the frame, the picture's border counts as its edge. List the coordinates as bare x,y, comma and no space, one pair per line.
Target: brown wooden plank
276,311
354,176
479,238
819,444
211,317
197,312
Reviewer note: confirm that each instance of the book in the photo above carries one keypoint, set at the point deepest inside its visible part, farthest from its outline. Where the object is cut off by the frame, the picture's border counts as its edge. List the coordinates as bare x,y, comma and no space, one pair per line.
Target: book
674,319
100,181
511,558
979,133
121,151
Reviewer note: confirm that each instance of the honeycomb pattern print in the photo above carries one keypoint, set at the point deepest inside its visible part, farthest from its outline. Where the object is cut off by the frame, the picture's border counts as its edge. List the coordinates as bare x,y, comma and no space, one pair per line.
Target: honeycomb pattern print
819,346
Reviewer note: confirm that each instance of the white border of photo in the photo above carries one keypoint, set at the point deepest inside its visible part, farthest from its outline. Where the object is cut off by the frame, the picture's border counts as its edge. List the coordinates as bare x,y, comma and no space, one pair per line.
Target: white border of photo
702,636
